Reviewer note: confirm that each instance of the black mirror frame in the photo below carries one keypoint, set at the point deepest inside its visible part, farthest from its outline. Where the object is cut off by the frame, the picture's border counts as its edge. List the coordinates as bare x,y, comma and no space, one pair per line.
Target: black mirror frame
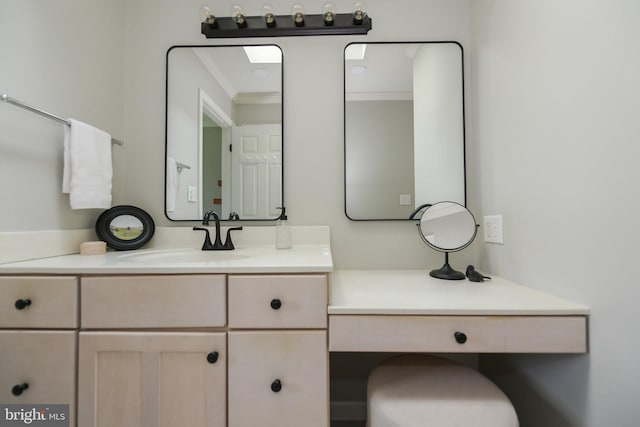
344,122
104,233
166,126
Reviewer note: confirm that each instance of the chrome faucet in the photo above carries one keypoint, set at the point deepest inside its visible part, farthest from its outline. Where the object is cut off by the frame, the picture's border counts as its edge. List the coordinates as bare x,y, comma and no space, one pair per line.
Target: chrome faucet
217,244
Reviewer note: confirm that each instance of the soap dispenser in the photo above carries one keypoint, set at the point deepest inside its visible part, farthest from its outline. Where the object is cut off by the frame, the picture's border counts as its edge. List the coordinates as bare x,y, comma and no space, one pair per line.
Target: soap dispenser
283,231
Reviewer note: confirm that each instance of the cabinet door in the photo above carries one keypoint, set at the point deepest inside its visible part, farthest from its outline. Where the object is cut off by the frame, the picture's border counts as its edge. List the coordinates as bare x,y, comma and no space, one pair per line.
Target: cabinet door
152,379
44,361
278,379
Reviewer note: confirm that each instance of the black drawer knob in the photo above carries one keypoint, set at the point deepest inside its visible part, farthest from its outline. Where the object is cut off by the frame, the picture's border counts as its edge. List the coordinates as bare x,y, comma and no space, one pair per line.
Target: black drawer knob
276,386
276,304
18,389
22,303
212,357
460,337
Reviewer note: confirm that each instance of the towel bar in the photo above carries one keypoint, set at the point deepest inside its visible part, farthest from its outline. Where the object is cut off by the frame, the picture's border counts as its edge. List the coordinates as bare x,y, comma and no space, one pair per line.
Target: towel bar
17,103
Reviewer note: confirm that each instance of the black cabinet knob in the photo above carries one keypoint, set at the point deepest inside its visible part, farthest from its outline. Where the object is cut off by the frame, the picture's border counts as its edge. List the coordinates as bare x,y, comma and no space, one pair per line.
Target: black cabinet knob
276,304
460,337
276,386
18,389
212,357
22,303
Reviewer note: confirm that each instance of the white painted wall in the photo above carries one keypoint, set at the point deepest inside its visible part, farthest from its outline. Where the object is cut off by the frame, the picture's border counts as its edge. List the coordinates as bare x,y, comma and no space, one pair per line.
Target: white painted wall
555,122
64,57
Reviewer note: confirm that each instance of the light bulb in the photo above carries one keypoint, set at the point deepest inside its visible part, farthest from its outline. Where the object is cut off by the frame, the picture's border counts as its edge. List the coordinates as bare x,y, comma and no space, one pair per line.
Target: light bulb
238,16
329,14
297,14
359,13
268,16
206,15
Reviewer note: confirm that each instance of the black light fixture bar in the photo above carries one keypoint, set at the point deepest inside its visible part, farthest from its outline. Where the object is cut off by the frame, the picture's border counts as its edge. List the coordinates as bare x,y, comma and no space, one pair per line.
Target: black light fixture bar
314,25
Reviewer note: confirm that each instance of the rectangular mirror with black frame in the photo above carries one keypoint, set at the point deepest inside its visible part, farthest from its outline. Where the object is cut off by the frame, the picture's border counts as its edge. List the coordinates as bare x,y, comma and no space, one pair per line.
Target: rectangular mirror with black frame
404,127
224,132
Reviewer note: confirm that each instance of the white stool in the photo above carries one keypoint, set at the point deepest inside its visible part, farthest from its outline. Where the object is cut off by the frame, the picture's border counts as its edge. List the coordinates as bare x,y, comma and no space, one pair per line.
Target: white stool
427,391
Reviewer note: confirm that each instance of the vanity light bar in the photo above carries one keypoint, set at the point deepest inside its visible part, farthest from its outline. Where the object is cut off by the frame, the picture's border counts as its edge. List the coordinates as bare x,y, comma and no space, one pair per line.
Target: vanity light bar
314,25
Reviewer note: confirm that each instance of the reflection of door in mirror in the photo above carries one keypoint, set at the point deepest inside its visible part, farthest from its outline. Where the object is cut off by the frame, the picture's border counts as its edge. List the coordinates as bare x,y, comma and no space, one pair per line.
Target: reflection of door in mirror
257,171
214,141
215,94
211,167
404,128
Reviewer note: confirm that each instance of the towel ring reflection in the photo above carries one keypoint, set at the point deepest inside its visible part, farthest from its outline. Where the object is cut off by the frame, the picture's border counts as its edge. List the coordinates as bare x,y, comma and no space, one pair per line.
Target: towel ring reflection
182,166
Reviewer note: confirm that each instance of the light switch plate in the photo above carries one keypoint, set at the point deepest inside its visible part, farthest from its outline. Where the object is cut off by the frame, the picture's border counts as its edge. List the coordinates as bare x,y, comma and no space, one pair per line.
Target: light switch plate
192,194
493,229
405,200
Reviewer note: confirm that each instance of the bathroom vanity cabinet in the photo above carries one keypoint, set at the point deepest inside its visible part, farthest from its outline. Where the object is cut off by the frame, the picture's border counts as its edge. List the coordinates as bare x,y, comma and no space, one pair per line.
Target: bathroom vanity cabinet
162,350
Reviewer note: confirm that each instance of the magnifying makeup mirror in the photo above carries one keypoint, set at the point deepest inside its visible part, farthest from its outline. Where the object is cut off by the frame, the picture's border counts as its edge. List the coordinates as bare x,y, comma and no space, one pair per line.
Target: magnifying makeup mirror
446,227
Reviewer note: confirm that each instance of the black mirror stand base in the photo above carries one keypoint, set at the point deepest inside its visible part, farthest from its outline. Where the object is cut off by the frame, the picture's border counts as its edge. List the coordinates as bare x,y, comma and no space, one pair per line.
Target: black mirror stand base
446,271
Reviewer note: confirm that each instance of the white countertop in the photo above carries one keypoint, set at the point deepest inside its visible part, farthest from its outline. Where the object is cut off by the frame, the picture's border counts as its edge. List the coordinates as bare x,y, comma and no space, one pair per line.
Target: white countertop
176,250
248,259
414,292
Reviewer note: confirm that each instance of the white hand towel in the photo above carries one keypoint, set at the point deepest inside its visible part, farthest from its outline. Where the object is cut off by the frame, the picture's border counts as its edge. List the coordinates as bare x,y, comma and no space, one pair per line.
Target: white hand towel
172,184
87,171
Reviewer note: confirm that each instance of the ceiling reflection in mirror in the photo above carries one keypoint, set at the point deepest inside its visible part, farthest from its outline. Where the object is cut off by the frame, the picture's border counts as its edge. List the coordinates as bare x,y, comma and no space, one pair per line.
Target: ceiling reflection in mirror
447,227
404,128
224,132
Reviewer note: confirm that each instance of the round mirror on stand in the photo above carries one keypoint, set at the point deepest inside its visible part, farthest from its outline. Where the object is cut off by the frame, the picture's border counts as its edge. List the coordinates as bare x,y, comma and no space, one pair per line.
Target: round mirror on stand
446,227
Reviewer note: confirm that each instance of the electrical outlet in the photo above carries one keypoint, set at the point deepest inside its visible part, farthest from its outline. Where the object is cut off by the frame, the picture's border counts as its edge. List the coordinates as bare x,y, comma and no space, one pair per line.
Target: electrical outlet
493,229
192,194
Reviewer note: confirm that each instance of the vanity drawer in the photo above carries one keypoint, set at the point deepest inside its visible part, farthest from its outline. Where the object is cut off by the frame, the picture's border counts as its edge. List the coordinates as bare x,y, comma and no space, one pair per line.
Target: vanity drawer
278,378
38,302
153,301
278,301
458,334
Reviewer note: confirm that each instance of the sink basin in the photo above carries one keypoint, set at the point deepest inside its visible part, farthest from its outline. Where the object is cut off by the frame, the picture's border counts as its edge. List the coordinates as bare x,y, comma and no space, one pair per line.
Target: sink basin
182,256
